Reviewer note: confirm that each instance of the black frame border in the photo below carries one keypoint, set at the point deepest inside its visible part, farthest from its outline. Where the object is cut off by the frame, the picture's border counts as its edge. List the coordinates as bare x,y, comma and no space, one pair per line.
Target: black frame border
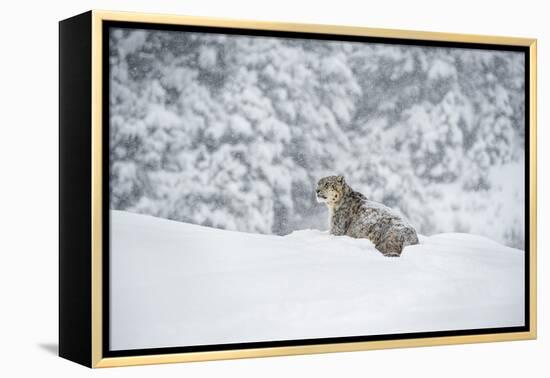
106,25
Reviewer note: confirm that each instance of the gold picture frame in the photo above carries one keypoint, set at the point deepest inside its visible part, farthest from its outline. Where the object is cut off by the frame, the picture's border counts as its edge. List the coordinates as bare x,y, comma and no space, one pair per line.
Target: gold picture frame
91,328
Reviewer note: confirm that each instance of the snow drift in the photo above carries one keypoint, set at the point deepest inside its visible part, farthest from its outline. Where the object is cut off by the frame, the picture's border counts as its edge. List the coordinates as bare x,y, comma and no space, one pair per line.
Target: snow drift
177,284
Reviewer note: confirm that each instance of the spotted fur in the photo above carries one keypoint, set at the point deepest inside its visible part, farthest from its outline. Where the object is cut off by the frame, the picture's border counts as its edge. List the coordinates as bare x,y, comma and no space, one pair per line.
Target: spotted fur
353,214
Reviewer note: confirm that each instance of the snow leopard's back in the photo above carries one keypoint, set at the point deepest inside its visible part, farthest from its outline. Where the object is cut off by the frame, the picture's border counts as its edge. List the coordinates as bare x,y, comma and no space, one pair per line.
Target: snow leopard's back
388,231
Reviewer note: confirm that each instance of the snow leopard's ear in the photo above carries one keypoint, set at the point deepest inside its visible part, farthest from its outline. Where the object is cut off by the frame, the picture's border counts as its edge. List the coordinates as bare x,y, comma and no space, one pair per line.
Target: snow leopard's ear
340,179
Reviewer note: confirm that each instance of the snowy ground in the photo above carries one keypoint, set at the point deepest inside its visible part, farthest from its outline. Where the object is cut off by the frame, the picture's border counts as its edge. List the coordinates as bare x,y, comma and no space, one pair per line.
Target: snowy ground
177,284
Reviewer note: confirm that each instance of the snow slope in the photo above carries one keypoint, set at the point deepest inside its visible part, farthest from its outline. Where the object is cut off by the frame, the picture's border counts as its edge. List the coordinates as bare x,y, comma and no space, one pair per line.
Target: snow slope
177,284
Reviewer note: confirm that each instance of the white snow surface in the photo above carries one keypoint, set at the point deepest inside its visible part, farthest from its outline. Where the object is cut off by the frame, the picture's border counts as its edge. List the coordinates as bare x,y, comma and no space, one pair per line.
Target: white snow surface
179,284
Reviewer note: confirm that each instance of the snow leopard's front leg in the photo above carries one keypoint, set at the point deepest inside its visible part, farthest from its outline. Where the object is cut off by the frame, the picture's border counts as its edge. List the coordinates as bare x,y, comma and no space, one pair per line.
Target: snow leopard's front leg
339,224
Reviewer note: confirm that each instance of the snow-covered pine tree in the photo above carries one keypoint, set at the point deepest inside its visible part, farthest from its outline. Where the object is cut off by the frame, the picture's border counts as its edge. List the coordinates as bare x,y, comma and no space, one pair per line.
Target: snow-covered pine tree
233,131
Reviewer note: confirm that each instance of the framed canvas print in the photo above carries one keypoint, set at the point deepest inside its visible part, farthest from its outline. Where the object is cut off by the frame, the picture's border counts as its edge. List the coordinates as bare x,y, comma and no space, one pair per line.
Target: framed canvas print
236,189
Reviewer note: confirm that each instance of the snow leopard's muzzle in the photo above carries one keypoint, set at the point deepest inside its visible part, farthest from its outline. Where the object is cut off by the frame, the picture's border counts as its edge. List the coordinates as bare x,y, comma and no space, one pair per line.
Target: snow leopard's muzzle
320,197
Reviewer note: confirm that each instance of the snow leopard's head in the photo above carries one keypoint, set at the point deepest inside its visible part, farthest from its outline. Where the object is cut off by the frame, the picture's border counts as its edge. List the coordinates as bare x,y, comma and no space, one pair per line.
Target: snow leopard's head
331,189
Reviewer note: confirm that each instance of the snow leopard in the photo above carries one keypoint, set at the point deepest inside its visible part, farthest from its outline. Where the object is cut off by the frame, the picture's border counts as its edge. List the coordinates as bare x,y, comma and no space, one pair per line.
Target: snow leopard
353,214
